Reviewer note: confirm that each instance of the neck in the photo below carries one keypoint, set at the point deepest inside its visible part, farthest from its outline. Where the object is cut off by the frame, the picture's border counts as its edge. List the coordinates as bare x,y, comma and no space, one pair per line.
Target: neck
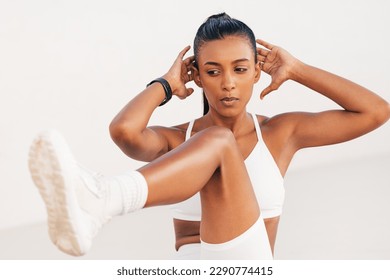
235,123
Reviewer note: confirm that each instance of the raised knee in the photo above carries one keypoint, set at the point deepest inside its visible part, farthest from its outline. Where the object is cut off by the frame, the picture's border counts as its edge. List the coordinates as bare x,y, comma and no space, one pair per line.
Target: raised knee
219,132
221,137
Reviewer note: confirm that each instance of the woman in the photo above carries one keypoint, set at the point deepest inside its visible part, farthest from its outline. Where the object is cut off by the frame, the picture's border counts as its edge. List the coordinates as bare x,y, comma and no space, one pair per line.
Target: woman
234,160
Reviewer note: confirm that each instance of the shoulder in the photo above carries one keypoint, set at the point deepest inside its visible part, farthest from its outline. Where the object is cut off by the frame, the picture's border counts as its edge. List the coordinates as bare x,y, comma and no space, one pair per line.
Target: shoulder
284,121
279,129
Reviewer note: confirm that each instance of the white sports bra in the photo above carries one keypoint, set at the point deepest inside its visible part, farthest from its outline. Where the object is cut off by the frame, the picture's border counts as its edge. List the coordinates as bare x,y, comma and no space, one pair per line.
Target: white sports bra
265,176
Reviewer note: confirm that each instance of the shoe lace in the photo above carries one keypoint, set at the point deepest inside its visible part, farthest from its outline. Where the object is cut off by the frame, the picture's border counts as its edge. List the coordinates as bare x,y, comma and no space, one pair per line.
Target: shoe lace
97,188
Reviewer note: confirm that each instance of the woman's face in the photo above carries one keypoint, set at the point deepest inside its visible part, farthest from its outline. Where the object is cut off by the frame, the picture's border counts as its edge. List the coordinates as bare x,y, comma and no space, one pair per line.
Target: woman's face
227,72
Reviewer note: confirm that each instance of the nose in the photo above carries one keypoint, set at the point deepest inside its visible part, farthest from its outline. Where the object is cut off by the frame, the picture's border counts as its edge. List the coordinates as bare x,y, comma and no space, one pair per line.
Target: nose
228,82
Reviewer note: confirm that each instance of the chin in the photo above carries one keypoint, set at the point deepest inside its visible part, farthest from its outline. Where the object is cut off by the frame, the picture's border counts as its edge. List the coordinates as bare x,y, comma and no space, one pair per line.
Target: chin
229,112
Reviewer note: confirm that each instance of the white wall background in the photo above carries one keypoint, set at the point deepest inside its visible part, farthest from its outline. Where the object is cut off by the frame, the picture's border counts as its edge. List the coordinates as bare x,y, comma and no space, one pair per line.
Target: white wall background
72,65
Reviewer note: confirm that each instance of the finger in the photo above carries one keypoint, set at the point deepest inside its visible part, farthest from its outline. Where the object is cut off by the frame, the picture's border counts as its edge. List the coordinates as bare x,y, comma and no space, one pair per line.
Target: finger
263,52
188,61
190,77
189,91
191,68
185,92
261,58
183,52
265,92
268,89
265,44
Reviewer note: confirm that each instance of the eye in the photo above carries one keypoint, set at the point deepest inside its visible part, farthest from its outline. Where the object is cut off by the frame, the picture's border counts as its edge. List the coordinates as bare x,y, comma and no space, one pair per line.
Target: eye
213,72
240,69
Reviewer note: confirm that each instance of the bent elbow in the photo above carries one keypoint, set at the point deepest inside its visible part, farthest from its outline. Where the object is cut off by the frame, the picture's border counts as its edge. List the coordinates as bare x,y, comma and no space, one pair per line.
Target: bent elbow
383,113
126,138
116,131
387,112
120,133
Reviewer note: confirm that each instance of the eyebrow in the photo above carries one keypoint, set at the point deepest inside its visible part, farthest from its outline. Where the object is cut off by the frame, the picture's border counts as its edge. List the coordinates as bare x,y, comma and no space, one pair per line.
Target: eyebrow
218,64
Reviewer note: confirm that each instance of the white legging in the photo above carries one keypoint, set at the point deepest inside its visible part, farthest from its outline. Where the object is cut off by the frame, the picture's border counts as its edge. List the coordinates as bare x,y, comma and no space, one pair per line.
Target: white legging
253,244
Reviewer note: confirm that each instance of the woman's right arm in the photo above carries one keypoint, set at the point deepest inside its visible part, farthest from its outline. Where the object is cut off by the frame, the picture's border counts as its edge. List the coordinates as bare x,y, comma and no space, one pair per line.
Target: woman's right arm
129,127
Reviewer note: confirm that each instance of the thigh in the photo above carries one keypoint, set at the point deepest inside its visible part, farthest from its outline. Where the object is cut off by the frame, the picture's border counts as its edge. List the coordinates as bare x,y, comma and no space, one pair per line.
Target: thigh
229,204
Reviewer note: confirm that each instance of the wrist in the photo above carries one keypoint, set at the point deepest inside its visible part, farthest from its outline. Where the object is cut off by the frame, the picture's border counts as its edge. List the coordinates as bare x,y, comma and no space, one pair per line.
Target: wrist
297,69
166,87
171,80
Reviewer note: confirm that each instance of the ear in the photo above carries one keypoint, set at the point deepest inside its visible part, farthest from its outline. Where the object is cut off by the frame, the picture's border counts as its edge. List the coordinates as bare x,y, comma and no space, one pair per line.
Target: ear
195,75
257,71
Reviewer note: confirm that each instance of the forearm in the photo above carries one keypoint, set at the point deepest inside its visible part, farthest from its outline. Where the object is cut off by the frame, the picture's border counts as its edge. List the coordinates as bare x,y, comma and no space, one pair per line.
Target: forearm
129,128
349,95
134,117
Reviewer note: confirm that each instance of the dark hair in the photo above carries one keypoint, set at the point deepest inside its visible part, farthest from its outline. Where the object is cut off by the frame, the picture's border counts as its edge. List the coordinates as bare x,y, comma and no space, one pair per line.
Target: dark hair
217,27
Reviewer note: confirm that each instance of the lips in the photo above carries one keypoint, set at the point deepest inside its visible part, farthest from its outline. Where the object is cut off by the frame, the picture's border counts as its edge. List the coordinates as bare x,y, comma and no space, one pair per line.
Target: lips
229,99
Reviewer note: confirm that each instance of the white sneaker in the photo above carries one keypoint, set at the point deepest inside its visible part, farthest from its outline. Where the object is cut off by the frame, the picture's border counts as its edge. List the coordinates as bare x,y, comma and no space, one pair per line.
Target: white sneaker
76,202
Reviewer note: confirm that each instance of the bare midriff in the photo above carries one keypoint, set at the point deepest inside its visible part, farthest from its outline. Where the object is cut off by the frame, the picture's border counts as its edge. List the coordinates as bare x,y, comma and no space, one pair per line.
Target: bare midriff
187,232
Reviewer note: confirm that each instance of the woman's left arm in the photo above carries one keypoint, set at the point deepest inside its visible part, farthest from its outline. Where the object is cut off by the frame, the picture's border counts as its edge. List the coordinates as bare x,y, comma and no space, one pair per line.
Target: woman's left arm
363,111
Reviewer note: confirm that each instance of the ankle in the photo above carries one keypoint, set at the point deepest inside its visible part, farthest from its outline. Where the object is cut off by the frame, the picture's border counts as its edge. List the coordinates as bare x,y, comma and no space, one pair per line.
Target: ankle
126,193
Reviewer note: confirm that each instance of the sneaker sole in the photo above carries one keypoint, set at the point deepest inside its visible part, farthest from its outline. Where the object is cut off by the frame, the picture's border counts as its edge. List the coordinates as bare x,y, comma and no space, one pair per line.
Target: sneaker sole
47,163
